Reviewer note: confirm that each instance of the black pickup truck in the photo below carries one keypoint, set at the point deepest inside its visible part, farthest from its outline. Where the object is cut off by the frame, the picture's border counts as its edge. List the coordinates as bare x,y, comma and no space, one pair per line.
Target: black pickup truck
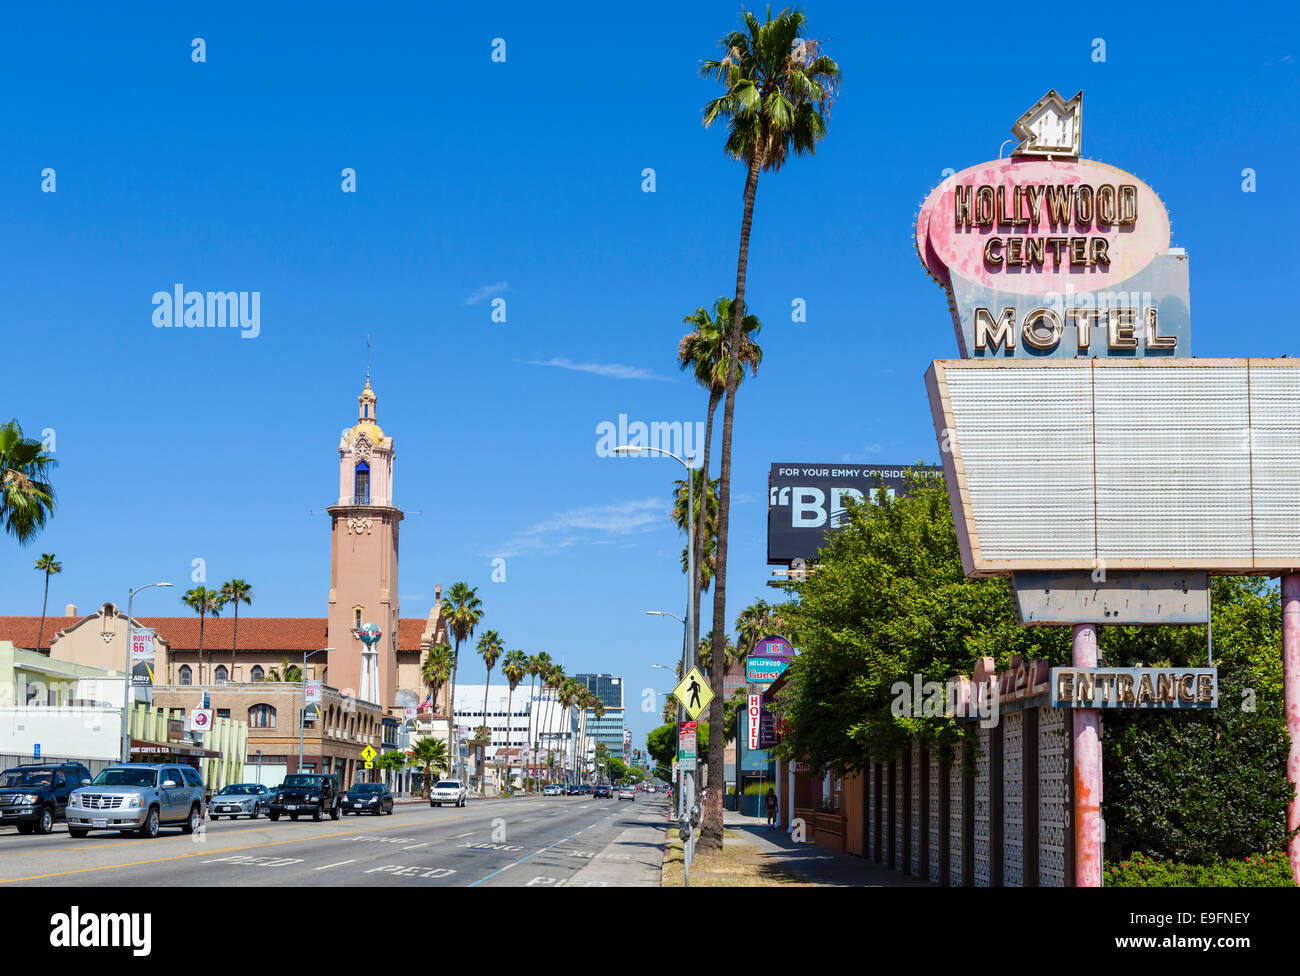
307,795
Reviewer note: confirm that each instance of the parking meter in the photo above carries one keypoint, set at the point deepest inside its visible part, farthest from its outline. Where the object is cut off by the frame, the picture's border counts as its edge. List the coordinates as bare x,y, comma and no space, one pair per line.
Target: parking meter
684,829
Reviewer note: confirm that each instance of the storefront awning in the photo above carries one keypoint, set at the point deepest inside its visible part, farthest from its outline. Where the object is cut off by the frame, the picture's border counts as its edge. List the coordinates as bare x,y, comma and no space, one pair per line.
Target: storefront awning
180,750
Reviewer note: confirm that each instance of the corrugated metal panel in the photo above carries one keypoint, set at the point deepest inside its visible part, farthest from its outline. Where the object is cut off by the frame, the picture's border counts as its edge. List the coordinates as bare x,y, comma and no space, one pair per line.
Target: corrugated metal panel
1173,471
1275,423
1026,447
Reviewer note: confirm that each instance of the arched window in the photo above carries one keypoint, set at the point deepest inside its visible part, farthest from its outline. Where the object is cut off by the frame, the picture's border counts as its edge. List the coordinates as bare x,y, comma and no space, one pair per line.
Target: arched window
261,717
222,675
257,673
362,484
185,675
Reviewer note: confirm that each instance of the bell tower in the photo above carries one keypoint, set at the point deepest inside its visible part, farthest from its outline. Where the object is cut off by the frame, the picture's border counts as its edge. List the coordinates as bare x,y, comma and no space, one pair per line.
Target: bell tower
363,558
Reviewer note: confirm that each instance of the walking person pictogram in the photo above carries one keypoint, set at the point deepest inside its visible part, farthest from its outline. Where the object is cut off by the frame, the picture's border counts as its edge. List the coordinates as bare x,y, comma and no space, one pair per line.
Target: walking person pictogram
695,693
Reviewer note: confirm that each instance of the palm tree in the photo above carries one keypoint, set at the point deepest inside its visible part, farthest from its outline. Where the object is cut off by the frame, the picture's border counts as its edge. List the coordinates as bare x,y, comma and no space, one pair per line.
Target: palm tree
236,591
490,647
285,672
431,756
779,88
758,620
26,495
706,544
463,610
203,601
567,695
49,565
514,667
436,670
534,669
704,352
558,680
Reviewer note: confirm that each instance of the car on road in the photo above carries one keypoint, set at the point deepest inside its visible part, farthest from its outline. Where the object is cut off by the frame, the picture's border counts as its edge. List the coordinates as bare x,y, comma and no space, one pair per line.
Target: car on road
249,800
372,798
602,792
34,797
307,795
650,789
138,798
448,791
627,793
552,790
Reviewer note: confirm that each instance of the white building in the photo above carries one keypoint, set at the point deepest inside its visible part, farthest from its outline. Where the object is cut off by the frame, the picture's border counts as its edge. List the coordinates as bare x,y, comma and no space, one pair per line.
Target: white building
540,723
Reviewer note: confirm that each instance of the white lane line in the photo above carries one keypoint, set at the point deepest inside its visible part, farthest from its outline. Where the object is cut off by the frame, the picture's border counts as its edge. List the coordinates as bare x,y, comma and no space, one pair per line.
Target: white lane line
468,833
337,864
414,846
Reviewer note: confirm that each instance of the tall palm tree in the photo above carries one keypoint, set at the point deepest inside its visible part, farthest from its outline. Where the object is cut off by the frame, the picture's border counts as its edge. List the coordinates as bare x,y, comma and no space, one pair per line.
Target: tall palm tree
534,669
706,543
779,88
285,672
463,610
26,495
704,352
514,667
431,756
756,621
556,680
49,565
236,591
490,647
204,602
436,670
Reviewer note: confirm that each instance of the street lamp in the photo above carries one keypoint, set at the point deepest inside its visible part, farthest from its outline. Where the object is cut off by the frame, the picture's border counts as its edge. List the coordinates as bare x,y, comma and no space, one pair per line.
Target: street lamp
126,678
302,712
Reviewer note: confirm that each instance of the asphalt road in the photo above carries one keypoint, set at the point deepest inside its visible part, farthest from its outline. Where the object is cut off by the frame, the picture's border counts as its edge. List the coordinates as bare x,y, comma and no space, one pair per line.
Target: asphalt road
512,842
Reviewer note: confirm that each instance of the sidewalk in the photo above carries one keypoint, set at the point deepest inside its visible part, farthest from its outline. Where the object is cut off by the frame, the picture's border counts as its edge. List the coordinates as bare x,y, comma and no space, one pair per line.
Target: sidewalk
632,860
817,865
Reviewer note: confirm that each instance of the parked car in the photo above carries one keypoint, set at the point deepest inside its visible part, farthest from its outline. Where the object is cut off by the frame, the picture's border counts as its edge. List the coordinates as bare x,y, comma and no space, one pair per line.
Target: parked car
373,798
138,798
249,800
602,792
307,794
34,797
448,791
552,790
627,793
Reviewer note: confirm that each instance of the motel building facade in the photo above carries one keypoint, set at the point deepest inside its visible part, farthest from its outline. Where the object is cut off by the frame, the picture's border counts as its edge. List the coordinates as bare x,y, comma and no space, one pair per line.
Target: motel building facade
359,689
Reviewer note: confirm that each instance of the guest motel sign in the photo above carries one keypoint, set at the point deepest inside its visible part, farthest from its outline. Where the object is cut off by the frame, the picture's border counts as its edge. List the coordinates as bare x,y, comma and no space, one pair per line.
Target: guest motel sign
1089,458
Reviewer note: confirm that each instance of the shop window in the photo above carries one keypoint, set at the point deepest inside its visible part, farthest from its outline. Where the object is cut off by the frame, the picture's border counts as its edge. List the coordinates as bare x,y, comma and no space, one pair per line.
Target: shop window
261,717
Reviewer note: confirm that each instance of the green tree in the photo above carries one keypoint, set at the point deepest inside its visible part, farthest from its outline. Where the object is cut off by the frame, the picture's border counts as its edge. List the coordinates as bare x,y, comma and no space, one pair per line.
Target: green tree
490,647
706,547
205,603
48,565
236,591
616,768
285,672
430,755
514,667
779,88
436,670
26,495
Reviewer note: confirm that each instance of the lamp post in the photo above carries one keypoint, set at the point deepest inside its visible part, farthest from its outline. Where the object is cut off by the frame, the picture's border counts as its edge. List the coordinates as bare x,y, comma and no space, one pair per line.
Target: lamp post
126,678
302,712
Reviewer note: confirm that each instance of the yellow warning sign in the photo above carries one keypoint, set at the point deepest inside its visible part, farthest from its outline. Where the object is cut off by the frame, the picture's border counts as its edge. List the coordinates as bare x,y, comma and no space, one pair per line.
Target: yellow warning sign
694,693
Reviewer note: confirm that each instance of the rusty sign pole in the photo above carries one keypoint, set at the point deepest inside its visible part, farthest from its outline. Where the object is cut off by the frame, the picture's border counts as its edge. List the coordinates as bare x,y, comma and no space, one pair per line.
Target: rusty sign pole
1291,699
1087,769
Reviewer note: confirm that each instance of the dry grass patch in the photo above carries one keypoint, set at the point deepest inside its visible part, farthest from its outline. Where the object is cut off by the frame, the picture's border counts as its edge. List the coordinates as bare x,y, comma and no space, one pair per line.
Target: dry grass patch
735,866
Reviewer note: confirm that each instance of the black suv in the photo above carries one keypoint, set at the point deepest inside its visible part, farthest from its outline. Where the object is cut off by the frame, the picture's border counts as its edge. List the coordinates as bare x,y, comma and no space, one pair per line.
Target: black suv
33,797
307,794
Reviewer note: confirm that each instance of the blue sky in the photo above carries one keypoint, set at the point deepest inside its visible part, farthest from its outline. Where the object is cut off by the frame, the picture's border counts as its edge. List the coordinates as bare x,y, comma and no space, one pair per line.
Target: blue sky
523,180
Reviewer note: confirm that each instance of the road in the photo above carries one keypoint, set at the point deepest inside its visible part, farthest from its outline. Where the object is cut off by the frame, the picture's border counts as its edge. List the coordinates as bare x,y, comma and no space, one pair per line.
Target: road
511,842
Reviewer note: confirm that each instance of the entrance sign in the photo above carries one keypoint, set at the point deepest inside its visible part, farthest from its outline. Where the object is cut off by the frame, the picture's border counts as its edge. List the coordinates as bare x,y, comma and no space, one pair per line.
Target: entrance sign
764,670
142,641
1134,688
694,693
1055,256
753,715
777,648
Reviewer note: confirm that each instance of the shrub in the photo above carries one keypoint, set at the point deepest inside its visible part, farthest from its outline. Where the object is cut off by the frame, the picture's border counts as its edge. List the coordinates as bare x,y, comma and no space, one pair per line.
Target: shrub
1252,871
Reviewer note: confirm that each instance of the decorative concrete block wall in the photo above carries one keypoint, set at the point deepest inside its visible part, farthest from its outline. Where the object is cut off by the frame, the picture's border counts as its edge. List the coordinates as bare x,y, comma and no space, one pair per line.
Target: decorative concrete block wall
983,812
1013,799
900,811
872,851
934,821
956,793
1054,797
914,868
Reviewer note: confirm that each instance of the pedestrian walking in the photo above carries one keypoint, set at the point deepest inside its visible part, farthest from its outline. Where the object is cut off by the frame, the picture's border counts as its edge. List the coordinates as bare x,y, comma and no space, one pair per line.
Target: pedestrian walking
770,804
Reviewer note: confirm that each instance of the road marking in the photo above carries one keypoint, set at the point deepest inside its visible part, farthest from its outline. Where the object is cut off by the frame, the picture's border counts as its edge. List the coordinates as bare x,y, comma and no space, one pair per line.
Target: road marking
350,835
529,857
336,864
414,846
468,833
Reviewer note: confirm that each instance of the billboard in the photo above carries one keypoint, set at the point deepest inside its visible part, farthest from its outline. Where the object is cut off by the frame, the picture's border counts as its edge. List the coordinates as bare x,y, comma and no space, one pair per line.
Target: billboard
805,502
1100,464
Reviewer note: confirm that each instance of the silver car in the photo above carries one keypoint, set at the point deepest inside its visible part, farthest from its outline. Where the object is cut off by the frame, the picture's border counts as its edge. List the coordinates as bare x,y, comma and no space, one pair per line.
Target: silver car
138,798
241,800
448,791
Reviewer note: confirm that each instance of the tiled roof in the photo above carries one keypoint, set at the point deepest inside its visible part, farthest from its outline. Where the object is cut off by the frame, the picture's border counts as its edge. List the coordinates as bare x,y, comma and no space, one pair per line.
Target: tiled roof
182,633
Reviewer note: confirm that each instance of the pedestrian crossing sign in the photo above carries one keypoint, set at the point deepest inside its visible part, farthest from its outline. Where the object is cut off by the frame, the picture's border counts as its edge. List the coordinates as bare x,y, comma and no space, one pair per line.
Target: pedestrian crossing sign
694,693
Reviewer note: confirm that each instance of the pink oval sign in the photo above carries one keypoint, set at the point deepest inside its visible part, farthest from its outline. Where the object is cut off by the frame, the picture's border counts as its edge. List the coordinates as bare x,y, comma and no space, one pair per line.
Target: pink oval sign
1034,226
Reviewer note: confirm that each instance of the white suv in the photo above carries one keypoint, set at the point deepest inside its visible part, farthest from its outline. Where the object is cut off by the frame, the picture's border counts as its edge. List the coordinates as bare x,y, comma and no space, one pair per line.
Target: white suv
447,791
